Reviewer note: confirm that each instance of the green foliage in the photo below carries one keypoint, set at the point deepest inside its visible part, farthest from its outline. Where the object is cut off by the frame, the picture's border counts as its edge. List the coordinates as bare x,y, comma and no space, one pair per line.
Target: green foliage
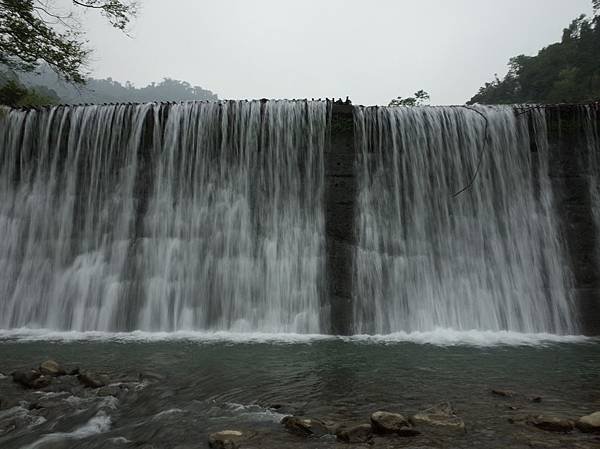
15,94
568,71
420,97
28,34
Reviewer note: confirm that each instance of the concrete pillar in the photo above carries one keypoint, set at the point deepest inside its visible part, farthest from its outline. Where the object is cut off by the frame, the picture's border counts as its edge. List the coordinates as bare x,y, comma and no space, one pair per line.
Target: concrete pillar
340,204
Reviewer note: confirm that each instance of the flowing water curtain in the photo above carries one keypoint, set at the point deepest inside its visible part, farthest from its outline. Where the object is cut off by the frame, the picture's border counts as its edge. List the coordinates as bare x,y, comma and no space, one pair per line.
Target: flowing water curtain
591,130
240,183
163,217
67,176
489,258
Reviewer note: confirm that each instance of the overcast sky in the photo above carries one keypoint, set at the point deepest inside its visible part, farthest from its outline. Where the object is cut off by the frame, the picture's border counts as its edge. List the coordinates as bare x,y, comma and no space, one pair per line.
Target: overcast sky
371,50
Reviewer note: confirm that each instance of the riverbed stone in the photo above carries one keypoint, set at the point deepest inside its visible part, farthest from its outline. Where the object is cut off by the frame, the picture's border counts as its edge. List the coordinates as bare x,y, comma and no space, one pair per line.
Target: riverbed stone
109,390
589,423
391,423
441,415
551,423
225,439
91,381
305,426
503,393
52,368
31,379
361,433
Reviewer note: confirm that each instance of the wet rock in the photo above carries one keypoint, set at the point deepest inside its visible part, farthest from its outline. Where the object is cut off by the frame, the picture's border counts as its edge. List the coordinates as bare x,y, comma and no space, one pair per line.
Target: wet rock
536,399
551,424
52,368
305,426
226,439
90,381
387,423
362,433
30,379
589,423
442,415
151,376
503,393
109,390
62,384
74,372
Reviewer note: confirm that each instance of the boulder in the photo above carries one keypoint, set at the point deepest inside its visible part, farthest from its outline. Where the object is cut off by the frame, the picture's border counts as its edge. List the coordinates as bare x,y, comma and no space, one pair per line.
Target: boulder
362,433
305,426
52,368
109,390
30,379
504,393
226,439
441,415
551,424
387,423
90,381
151,376
589,423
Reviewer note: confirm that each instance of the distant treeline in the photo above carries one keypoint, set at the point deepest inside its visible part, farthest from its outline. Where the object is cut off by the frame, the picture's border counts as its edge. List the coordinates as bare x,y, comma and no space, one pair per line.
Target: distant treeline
568,71
45,87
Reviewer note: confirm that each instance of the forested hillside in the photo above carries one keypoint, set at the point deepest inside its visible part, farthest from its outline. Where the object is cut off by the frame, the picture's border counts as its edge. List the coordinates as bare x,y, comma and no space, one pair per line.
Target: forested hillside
45,87
567,71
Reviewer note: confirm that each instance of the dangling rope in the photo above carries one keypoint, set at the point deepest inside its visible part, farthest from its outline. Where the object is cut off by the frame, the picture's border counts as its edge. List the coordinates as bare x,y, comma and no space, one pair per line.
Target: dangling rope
485,139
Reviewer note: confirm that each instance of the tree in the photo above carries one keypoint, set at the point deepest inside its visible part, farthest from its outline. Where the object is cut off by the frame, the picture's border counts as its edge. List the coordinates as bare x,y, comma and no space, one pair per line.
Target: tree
14,94
419,98
567,71
33,31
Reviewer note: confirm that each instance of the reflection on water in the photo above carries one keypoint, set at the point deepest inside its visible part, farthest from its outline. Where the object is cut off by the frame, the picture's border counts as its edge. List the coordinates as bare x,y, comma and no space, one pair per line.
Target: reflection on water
191,389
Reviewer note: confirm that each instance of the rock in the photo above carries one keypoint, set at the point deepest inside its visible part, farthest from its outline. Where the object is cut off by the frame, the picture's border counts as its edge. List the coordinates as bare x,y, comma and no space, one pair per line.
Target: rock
442,415
26,378
362,433
536,399
504,393
387,423
305,426
589,423
226,439
52,368
90,381
552,424
150,375
109,390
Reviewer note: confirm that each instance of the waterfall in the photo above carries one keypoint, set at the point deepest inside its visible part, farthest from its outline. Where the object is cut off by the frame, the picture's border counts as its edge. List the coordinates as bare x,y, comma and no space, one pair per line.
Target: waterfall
489,258
589,118
191,216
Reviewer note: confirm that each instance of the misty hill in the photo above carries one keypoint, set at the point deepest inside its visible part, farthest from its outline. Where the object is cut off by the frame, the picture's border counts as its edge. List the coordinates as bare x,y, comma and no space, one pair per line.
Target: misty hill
111,91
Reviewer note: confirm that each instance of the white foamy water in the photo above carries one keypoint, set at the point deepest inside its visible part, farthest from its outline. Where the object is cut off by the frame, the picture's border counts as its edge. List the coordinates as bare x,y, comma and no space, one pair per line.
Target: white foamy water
98,424
451,337
255,412
439,337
